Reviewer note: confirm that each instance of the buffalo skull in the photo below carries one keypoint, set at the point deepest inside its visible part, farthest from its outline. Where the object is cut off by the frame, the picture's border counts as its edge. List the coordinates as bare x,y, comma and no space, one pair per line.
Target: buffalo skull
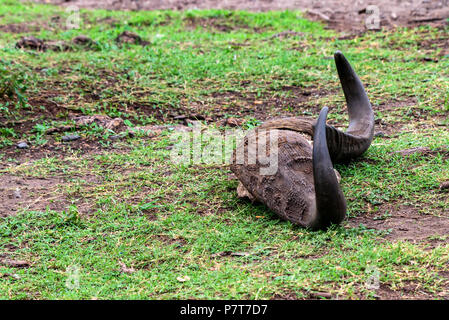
304,189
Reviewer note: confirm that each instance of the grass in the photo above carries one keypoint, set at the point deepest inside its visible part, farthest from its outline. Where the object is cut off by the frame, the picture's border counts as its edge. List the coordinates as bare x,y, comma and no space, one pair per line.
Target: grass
180,228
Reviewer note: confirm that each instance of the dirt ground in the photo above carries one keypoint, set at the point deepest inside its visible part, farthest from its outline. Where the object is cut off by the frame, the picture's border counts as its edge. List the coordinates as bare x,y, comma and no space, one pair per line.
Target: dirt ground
344,15
406,223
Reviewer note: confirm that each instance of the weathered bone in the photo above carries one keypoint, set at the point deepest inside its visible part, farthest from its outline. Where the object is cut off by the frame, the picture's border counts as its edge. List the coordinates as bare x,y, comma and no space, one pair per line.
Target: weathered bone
305,189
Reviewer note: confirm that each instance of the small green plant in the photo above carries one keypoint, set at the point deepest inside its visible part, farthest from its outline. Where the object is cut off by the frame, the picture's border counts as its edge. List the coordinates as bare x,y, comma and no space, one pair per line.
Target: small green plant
7,132
5,135
70,217
41,128
12,85
252,123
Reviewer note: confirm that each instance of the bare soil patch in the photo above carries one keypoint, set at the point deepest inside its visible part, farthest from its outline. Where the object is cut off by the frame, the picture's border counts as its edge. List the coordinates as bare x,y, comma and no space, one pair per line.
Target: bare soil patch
19,28
52,149
423,119
219,24
346,15
218,105
268,105
440,44
18,193
406,223
410,291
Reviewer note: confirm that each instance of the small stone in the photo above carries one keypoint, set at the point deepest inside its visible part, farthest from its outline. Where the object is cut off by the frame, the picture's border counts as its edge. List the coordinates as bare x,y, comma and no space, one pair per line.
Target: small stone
193,123
125,269
114,123
22,145
379,134
394,16
31,43
444,185
83,40
232,122
115,137
70,137
131,38
183,279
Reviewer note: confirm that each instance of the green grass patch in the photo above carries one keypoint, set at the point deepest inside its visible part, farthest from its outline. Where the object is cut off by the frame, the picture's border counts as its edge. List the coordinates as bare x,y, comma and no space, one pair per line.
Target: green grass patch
180,230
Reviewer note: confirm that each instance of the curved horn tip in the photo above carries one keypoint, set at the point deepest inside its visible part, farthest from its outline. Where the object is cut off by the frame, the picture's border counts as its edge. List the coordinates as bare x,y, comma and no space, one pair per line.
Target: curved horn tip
323,114
338,53
343,66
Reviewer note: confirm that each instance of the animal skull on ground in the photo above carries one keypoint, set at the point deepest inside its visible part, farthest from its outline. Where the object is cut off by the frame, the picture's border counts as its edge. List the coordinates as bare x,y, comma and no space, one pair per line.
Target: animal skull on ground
304,189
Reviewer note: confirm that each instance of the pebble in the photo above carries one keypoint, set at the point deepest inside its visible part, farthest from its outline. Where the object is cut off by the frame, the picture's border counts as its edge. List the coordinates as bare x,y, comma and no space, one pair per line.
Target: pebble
22,145
181,117
115,137
70,137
